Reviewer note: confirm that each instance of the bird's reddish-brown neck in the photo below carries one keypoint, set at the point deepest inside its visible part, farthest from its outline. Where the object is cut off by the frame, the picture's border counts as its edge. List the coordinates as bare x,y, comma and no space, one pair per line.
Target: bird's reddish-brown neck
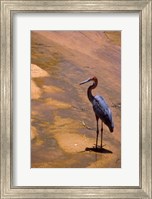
93,86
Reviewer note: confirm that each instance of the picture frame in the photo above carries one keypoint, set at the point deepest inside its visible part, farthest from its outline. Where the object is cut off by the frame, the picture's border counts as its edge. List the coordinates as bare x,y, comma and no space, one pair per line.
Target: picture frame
8,8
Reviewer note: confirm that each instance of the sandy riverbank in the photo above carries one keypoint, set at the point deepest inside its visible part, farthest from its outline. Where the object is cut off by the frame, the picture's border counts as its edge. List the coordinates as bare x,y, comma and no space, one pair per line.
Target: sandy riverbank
63,126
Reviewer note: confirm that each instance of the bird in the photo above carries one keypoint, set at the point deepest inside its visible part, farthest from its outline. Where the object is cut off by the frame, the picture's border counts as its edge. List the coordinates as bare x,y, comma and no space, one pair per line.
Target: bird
101,109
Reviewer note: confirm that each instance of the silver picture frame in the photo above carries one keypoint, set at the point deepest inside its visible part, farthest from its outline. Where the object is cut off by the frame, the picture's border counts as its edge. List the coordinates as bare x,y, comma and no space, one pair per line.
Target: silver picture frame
8,9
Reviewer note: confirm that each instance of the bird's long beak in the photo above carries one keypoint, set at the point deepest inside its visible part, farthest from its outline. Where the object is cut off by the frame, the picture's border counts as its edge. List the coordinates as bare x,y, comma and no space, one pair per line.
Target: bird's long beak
85,81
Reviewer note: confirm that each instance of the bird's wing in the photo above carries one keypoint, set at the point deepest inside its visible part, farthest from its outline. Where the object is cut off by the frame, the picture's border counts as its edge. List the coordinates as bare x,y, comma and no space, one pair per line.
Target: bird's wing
101,109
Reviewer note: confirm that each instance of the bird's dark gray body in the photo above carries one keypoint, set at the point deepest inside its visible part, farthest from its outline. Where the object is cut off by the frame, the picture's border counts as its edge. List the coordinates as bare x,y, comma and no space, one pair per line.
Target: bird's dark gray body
102,110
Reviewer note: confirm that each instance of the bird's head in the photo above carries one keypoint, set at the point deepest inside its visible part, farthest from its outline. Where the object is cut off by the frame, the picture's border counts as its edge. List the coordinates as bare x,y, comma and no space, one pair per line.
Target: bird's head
89,79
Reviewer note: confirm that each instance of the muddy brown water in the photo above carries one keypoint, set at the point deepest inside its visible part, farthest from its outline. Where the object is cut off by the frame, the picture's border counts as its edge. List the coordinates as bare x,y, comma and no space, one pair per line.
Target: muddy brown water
63,125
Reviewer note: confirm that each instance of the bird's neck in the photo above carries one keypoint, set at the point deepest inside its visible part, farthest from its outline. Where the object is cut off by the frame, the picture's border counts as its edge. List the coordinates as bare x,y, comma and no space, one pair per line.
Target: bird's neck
89,91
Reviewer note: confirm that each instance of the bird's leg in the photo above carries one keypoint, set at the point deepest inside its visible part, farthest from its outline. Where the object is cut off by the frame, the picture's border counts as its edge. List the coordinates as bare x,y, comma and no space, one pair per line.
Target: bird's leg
101,133
97,118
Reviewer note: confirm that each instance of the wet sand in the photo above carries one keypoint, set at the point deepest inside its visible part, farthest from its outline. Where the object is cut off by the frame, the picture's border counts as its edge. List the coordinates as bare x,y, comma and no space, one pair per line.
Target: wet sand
63,124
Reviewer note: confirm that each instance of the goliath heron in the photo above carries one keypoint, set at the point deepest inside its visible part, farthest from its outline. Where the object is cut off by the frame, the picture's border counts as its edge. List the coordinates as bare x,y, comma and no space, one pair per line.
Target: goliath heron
100,108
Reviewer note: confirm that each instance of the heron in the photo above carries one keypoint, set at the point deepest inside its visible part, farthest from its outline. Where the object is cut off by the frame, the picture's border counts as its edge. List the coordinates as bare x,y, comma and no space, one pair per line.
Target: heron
101,109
